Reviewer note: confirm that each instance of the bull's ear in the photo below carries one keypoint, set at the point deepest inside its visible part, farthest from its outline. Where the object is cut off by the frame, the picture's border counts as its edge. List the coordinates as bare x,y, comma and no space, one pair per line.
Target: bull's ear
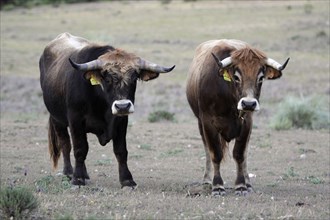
147,75
93,77
272,73
274,69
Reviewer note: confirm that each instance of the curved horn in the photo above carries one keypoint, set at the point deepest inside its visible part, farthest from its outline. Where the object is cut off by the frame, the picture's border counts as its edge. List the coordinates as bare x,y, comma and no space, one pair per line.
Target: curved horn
147,65
222,63
276,65
92,65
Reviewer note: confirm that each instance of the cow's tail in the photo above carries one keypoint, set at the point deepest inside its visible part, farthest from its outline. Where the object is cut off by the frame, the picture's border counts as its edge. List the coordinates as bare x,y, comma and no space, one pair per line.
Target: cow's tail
53,143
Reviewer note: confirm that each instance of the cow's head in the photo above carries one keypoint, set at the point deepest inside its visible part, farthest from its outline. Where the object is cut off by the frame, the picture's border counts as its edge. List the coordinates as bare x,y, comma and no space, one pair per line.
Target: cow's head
247,68
117,73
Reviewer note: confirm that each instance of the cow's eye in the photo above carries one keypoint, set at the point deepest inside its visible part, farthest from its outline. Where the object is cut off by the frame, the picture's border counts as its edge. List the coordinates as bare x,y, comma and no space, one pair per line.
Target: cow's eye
261,77
237,77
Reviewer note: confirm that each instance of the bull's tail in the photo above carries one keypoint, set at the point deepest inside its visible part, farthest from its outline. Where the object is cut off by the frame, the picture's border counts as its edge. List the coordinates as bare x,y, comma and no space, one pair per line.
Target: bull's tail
224,149
53,143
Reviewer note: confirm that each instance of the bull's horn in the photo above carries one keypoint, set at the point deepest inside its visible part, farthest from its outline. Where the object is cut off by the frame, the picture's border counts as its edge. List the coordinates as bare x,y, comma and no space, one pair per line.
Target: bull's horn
222,63
92,65
147,65
276,65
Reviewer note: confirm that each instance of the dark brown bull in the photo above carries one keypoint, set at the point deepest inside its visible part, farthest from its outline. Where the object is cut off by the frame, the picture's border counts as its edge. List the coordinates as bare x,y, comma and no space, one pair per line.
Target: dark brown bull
223,90
90,88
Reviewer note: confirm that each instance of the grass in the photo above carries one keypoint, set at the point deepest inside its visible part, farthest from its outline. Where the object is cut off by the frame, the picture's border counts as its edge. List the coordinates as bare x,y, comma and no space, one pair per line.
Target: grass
171,153
17,202
157,116
103,162
144,147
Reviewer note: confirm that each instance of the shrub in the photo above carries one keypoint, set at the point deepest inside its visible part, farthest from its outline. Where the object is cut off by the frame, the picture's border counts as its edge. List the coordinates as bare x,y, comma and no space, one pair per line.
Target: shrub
17,202
10,4
161,116
48,184
308,113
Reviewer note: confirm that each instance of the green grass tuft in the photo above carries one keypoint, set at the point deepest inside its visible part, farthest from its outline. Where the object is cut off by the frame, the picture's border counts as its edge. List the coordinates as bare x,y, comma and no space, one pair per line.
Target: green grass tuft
307,113
17,203
315,180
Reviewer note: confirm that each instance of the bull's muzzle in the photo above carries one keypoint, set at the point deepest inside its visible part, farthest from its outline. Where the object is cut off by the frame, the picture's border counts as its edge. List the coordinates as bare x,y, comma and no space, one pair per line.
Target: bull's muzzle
122,107
248,104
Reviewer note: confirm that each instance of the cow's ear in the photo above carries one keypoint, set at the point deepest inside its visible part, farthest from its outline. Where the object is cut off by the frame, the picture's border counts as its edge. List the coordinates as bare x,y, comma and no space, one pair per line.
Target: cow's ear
93,77
147,75
272,73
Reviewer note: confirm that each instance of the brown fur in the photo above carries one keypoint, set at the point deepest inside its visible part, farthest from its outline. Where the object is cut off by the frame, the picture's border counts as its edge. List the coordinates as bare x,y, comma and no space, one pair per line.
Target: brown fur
53,145
248,55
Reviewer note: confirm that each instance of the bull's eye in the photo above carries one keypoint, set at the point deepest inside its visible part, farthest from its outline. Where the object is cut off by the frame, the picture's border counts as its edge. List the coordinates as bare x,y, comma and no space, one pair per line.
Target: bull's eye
237,77
261,77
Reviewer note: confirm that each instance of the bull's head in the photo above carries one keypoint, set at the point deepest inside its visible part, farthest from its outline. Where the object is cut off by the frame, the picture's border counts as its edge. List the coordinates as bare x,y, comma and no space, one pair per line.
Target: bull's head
247,68
117,73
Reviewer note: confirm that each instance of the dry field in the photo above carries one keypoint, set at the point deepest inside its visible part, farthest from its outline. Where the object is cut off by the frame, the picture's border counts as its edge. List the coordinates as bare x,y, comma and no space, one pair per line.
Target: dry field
291,169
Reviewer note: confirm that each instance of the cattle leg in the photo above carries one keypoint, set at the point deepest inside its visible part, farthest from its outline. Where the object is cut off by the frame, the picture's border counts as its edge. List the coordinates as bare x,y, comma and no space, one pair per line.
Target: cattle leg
120,150
80,150
63,141
242,183
207,171
215,148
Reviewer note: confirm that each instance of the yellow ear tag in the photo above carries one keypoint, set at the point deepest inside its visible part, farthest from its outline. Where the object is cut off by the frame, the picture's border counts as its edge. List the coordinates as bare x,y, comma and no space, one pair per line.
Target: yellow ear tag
94,81
226,76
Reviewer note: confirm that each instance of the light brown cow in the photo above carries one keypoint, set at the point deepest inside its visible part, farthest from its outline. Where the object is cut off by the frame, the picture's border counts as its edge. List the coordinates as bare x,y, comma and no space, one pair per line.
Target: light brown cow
223,90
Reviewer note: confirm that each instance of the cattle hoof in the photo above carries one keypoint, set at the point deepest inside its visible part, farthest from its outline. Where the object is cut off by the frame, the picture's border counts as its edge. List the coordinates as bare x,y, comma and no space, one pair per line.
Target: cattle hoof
128,183
69,176
68,171
129,188
78,181
86,176
249,188
241,191
218,192
207,186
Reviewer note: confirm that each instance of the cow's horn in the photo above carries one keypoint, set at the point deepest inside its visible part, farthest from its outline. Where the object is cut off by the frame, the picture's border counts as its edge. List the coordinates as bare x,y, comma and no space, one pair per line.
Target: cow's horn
92,65
276,65
147,65
222,63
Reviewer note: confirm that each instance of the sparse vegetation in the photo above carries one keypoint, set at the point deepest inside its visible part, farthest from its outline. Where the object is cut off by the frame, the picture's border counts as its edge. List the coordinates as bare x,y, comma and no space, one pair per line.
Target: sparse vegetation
16,202
103,162
50,184
171,153
65,216
307,113
291,173
157,116
315,180
145,147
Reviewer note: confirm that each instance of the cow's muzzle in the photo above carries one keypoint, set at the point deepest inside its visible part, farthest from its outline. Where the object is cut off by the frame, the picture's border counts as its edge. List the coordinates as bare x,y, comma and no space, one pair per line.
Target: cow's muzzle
248,104
122,107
